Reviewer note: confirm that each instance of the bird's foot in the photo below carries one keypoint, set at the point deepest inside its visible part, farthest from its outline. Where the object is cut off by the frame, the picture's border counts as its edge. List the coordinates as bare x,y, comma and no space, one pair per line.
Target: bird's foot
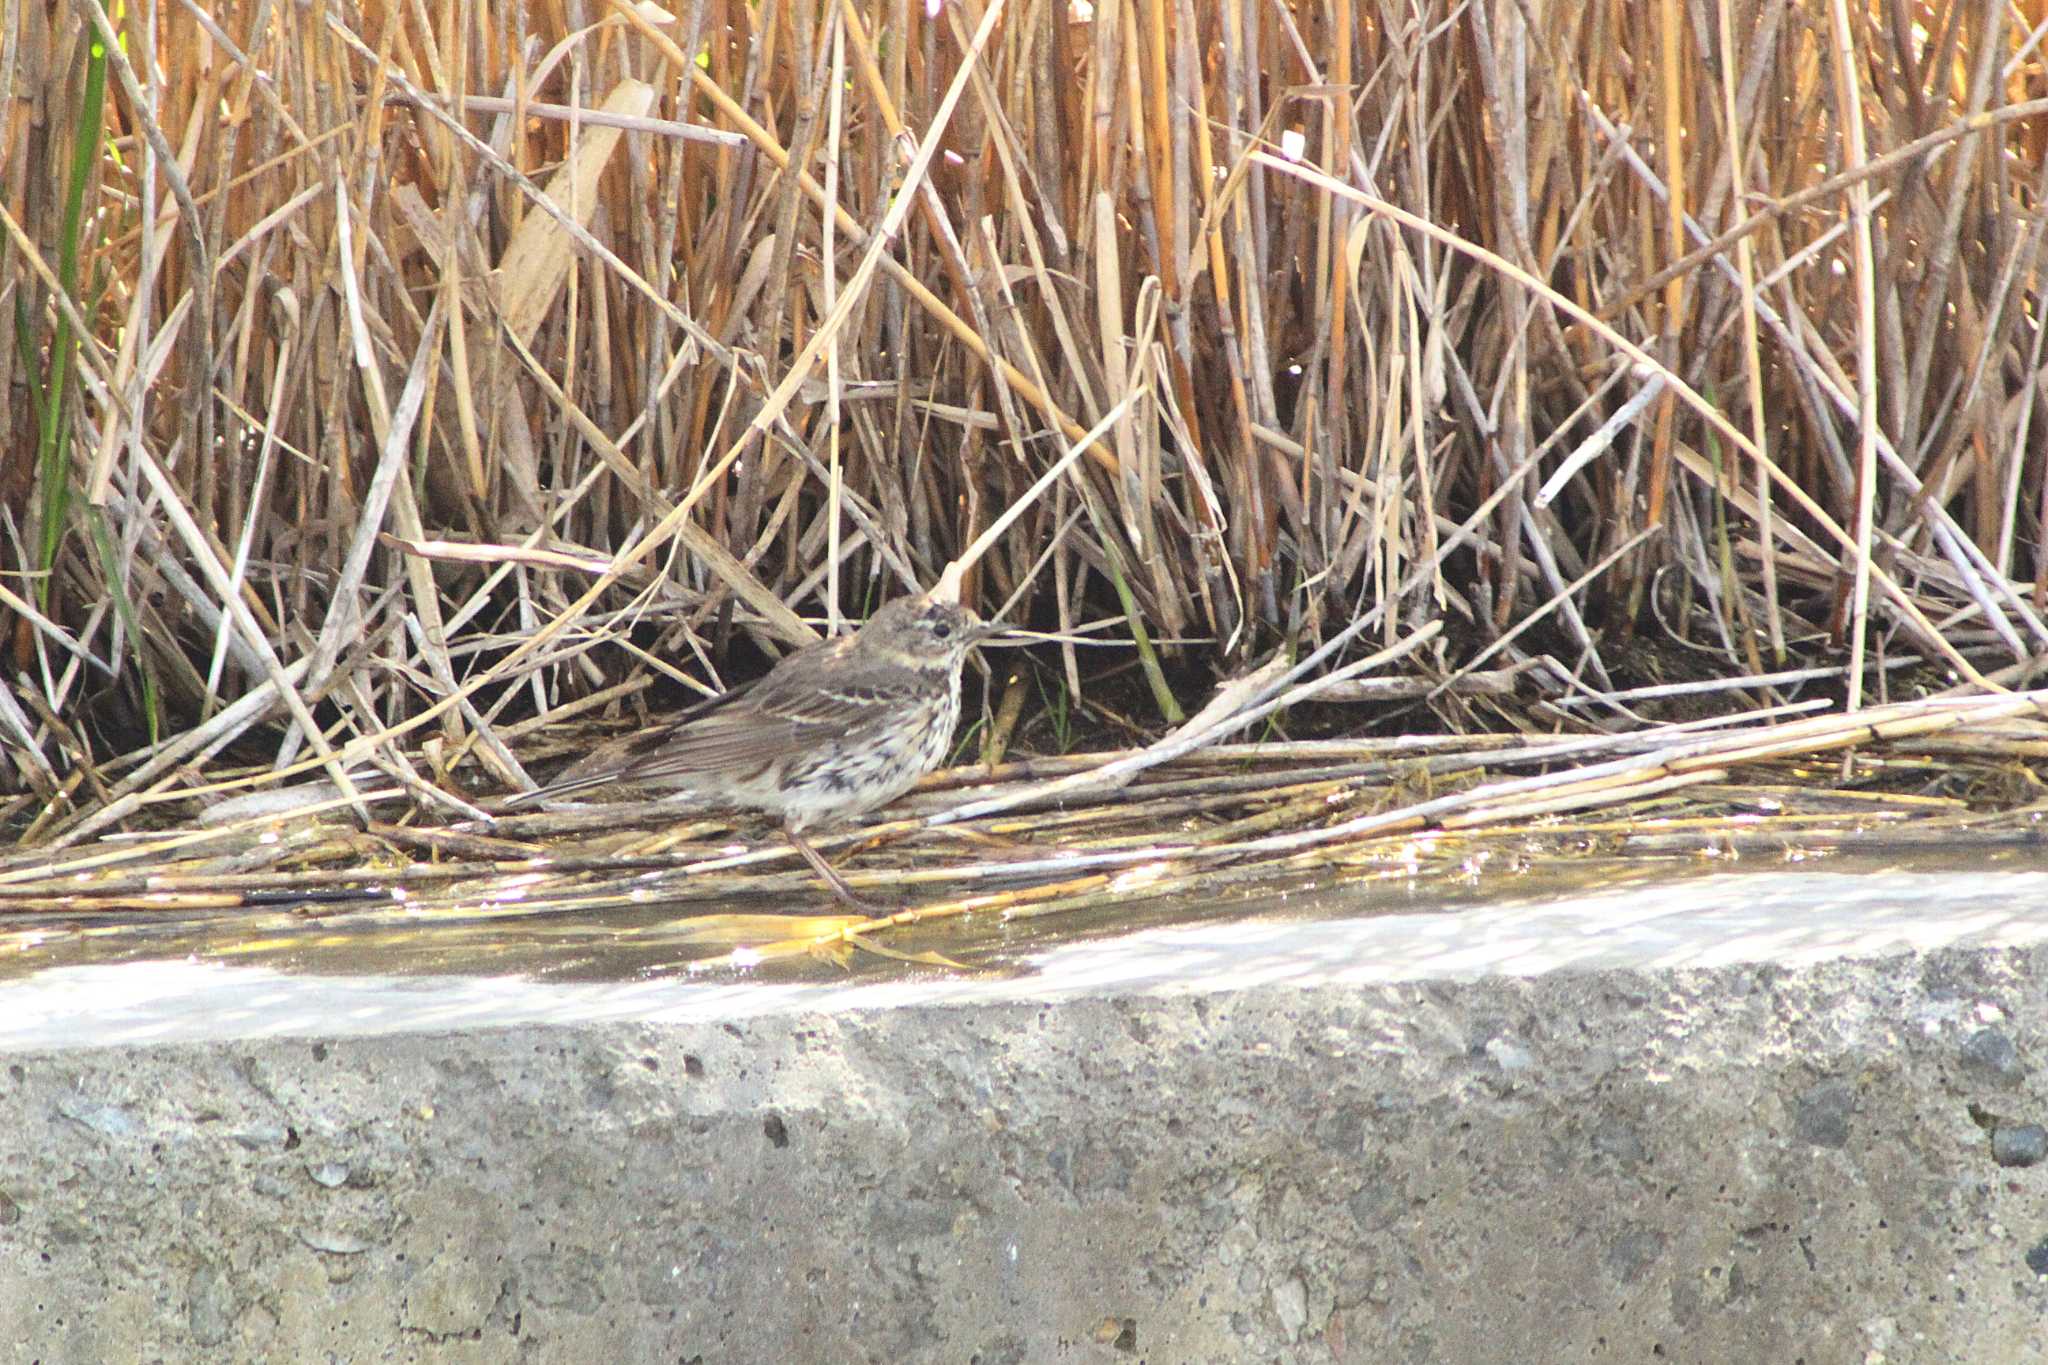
841,891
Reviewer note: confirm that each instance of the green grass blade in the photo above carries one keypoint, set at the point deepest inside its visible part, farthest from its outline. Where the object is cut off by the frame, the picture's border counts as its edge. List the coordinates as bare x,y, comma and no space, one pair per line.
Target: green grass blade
110,565
53,462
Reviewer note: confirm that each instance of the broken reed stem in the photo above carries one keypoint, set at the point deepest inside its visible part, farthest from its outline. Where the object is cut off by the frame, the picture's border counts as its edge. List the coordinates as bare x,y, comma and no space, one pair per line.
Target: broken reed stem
1335,297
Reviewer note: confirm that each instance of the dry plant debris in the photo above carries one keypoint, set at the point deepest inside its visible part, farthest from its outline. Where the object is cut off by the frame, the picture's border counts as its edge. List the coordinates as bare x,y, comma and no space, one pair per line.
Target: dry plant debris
388,383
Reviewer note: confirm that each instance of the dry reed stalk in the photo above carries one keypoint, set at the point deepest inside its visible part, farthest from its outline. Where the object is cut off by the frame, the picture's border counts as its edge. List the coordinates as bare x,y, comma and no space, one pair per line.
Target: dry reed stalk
1688,323
1289,824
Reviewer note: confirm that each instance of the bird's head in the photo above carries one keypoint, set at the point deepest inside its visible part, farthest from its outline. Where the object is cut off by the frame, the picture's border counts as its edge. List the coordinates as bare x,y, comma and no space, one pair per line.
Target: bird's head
922,631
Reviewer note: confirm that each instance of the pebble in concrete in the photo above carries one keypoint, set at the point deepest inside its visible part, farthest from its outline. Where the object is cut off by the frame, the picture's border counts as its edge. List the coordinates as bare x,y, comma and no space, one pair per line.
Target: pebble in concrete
1305,1144
2024,1145
1989,1055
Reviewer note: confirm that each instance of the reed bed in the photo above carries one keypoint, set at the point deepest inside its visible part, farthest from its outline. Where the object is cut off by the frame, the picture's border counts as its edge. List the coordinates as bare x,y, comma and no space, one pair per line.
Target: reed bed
1195,827
389,383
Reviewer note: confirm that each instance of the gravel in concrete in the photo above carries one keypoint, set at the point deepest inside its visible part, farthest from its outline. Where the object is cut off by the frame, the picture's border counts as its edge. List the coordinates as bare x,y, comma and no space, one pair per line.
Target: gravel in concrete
1375,1141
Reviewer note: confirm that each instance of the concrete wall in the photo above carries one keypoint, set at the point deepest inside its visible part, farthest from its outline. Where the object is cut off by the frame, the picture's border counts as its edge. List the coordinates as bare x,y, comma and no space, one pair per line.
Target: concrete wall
1289,1143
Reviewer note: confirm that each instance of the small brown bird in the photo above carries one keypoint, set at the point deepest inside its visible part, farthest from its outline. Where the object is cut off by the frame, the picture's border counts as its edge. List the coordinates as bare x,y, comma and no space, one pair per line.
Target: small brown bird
835,729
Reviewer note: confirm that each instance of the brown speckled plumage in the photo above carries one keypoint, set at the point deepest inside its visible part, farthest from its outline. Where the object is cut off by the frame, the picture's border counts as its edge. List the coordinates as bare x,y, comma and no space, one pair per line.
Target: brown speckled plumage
833,730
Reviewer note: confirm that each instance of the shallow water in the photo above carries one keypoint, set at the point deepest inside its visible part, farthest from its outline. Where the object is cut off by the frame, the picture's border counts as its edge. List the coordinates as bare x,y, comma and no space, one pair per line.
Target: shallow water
121,988
653,941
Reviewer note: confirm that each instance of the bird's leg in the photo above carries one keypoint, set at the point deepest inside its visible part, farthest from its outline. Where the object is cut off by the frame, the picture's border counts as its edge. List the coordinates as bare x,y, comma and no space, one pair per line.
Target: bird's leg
831,874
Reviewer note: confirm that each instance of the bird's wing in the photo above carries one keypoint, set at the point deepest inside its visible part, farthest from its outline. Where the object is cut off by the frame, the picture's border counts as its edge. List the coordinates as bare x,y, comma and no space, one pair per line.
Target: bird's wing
768,725
737,741
740,733
705,736
843,704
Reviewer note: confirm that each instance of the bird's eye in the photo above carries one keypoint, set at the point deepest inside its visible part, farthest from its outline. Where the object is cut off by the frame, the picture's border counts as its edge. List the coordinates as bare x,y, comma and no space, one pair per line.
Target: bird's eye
943,629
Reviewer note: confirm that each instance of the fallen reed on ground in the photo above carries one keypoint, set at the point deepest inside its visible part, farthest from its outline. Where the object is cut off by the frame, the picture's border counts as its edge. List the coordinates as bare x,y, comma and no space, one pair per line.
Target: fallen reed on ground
385,381
1199,827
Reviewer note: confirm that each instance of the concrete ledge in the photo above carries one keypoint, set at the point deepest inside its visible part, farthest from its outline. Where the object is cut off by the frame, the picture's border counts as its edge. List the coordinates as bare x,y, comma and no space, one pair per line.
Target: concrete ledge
1745,1118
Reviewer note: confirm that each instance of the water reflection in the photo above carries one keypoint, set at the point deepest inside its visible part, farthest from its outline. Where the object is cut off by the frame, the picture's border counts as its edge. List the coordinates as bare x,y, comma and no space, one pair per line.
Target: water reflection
1488,913
109,986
